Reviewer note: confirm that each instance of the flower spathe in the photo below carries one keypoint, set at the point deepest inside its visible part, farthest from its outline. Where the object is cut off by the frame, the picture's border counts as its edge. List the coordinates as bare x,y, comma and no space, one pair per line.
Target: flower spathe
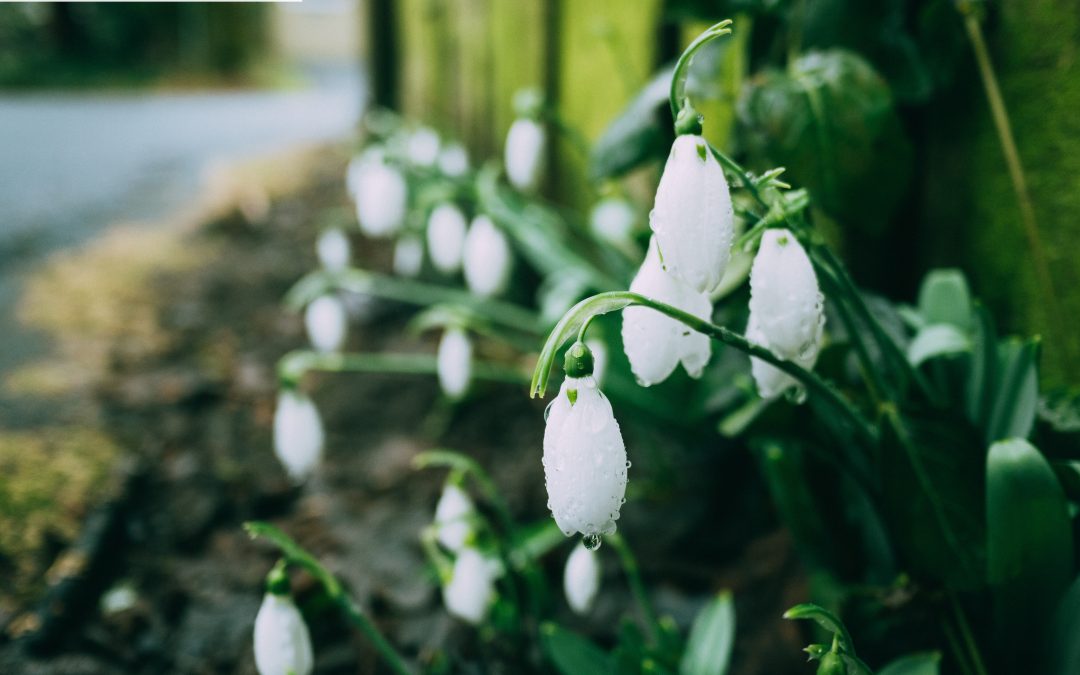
282,641
327,323
581,578
452,517
381,196
584,460
454,362
471,589
786,312
333,250
692,216
654,343
446,231
487,259
298,433
525,154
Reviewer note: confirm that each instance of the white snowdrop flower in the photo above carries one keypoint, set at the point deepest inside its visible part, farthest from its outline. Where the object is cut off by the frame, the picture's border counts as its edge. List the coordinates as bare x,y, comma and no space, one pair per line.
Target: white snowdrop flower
333,250
525,154
488,259
423,147
454,362
600,358
692,216
786,309
654,343
381,199
581,579
408,256
584,460
298,433
452,517
327,323
454,160
612,220
282,642
471,589
446,231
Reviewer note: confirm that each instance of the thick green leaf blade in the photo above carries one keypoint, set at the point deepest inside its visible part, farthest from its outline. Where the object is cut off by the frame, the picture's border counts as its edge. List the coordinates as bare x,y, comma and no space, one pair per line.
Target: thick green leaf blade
1016,398
1062,653
572,654
708,651
928,663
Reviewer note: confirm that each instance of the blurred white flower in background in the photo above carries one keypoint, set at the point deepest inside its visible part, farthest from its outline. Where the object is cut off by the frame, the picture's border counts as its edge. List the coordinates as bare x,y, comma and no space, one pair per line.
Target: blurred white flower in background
471,589
282,642
488,258
454,160
525,154
581,578
613,220
453,515
327,323
408,256
446,230
454,362
599,351
298,433
333,249
423,147
381,196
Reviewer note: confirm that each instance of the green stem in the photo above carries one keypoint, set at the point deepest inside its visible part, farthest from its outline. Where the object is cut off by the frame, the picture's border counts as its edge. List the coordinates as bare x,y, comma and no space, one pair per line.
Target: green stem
293,366
966,635
637,586
874,382
678,78
296,555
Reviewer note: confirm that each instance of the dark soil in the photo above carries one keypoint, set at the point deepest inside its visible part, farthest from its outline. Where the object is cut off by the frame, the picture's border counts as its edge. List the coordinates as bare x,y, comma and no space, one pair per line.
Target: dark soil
196,420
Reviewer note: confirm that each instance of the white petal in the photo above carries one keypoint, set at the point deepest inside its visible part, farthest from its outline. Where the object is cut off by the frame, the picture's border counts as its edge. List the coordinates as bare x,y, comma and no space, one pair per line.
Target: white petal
381,199
454,160
454,362
423,147
612,220
333,250
282,642
584,461
488,259
446,237
298,433
784,297
525,154
327,323
692,216
471,590
770,380
408,256
452,517
581,579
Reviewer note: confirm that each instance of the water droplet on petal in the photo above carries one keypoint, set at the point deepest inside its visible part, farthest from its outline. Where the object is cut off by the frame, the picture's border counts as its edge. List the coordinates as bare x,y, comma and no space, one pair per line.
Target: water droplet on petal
591,541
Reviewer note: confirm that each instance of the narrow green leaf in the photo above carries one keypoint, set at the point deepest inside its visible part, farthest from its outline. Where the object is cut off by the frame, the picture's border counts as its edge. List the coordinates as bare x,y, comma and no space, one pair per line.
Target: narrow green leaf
928,663
982,372
1062,654
571,654
708,651
1016,398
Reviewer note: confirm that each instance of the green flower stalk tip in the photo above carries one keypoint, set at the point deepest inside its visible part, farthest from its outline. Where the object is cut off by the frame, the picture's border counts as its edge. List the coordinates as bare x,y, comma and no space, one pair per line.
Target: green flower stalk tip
277,581
677,95
578,361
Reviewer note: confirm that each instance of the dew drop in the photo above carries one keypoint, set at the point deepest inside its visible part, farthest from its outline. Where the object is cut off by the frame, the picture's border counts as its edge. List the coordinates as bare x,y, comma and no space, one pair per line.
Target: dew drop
796,395
627,464
591,541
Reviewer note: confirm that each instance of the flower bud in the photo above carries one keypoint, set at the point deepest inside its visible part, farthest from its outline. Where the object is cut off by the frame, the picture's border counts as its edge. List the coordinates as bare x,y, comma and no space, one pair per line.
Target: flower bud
786,313
488,259
454,363
298,433
471,590
581,579
654,343
453,514
381,198
327,323
446,237
612,220
584,460
282,642
423,147
525,154
454,160
408,256
333,250
692,216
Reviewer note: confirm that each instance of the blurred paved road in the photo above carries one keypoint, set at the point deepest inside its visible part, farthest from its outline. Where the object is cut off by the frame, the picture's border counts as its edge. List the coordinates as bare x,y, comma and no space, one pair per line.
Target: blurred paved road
70,165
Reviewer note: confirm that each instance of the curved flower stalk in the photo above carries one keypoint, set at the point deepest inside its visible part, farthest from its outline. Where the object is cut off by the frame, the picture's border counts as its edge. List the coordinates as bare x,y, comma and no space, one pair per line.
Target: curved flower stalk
422,147
613,220
786,314
282,641
381,195
471,589
327,323
446,232
333,250
525,145
454,160
453,515
584,459
655,344
408,256
488,259
454,362
298,433
692,217
581,579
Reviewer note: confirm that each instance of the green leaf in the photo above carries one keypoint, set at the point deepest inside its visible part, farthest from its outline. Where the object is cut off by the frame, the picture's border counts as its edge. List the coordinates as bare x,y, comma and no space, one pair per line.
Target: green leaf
937,340
1016,397
708,651
944,298
982,372
1029,543
826,620
572,654
928,663
1062,654
642,132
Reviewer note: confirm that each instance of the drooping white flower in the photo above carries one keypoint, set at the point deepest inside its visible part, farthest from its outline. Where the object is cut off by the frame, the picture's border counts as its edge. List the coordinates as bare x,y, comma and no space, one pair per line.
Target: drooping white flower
488,259
298,433
333,250
423,147
581,579
786,310
584,460
600,359
692,216
446,237
327,323
454,160
454,362
408,256
654,343
471,589
282,642
525,154
381,198
612,220
452,517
